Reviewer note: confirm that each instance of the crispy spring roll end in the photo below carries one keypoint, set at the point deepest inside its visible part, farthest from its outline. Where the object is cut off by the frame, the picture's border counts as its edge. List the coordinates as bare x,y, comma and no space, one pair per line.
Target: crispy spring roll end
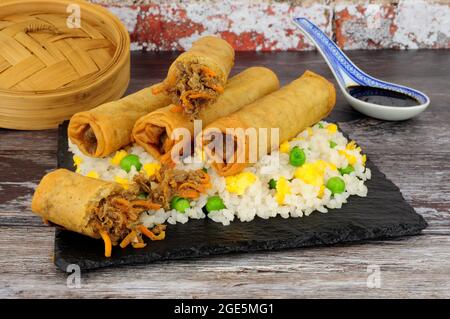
198,76
87,136
89,206
227,151
152,137
70,200
107,128
193,86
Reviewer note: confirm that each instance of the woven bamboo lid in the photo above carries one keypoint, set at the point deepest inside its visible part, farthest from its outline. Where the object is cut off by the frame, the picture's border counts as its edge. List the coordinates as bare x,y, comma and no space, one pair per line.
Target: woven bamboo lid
51,68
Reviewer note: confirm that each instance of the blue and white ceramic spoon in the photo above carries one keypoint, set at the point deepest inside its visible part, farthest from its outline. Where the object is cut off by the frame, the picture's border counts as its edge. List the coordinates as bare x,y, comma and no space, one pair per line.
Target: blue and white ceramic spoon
357,85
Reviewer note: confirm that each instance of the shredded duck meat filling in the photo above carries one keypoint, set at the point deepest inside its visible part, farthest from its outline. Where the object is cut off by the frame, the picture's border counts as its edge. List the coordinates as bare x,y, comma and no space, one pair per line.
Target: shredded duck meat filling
169,182
118,214
196,87
116,217
113,216
89,138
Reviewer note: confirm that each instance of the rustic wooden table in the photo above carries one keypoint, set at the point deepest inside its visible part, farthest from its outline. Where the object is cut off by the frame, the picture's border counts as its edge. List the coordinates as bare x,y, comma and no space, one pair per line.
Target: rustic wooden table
415,154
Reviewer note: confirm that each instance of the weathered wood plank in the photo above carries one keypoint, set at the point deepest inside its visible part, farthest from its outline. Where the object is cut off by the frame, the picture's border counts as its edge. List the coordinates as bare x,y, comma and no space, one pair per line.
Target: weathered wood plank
11,140
414,154
23,170
412,267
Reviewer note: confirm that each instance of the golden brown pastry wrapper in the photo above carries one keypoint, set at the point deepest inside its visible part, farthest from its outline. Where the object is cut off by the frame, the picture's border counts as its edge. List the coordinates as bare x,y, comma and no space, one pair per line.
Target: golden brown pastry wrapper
67,199
294,107
242,89
113,122
209,53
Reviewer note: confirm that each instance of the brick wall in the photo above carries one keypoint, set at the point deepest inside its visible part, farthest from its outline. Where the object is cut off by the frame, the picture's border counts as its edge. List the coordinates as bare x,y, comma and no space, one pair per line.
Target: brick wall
265,24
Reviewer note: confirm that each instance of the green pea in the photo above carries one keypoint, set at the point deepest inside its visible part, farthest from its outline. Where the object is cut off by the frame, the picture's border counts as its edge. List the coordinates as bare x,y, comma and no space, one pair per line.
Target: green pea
346,170
173,201
332,144
336,185
142,196
272,184
179,204
130,160
320,125
205,169
214,203
297,157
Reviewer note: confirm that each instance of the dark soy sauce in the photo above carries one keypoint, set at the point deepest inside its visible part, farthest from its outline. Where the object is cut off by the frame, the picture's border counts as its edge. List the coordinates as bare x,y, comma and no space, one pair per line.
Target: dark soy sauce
381,96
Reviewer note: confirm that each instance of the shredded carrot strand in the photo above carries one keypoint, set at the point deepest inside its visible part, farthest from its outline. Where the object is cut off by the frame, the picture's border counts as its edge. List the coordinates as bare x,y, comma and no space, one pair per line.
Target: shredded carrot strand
207,71
107,241
138,245
187,185
166,159
188,193
208,185
161,235
144,230
176,109
203,95
217,88
124,205
206,178
193,190
192,186
184,99
146,204
127,240
158,228
158,89
191,94
121,201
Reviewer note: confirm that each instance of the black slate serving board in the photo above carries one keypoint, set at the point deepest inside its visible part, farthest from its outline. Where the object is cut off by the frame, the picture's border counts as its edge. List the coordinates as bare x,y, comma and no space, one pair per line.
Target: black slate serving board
382,214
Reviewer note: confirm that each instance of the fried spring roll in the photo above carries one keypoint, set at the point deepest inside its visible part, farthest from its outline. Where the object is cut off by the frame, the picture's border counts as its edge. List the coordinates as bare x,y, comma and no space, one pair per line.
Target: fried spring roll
198,76
107,128
91,207
70,200
153,131
292,108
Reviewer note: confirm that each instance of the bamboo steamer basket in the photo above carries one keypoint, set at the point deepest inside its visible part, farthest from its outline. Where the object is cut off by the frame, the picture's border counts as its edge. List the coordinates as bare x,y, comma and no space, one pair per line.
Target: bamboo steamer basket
50,70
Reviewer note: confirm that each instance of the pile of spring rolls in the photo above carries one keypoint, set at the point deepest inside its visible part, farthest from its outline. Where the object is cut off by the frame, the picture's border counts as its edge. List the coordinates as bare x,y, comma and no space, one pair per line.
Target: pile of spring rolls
198,86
